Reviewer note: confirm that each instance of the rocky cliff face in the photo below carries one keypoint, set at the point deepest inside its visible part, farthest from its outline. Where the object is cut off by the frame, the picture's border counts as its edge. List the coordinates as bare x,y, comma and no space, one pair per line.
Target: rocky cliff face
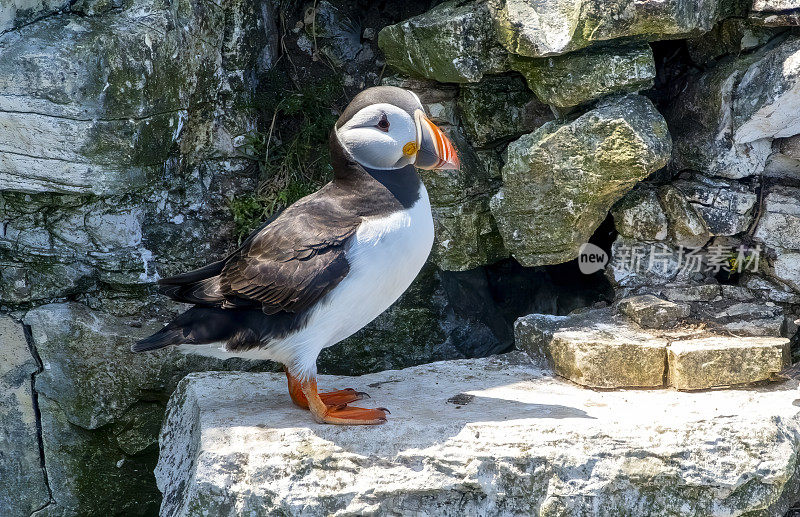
138,139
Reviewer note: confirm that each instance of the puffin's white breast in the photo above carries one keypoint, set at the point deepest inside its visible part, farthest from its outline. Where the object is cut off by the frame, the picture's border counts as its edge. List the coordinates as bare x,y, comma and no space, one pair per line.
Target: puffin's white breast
385,255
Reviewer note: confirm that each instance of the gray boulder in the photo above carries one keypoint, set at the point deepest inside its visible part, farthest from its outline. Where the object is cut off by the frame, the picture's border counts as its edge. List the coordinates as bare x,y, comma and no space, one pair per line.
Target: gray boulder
560,181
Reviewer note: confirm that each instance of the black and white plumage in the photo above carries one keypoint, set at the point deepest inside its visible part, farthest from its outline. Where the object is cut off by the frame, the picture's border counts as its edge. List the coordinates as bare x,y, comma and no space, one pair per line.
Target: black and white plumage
334,260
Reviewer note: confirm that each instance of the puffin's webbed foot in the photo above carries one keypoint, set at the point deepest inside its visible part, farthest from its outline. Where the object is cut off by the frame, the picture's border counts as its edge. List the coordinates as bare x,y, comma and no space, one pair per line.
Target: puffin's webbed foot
331,407
353,415
329,398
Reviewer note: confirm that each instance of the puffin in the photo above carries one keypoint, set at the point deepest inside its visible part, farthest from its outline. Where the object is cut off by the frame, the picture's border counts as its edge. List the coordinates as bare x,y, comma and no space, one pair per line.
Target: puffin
328,264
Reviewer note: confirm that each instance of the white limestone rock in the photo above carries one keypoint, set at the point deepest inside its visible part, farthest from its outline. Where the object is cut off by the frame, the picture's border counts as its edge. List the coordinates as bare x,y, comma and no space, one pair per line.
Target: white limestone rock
488,436
779,229
725,119
767,98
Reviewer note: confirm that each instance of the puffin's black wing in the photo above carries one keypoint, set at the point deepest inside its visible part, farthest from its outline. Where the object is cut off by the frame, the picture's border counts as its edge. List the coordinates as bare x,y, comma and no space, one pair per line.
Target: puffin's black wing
201,286
290,264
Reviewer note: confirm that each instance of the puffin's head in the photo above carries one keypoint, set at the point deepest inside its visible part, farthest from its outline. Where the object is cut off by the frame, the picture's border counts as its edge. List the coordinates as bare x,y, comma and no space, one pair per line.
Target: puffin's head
385,127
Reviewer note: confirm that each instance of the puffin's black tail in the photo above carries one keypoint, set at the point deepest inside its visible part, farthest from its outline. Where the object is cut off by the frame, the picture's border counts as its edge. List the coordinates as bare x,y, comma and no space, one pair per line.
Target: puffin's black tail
196,326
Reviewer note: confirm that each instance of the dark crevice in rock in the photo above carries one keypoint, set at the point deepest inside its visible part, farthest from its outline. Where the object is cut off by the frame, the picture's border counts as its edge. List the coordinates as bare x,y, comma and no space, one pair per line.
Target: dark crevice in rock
31,22
673,66
35,396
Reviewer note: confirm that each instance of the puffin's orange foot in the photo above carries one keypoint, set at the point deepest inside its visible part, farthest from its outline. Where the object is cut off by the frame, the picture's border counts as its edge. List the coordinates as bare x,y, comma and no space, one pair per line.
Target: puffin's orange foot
331,407
341,397
354,415
330,398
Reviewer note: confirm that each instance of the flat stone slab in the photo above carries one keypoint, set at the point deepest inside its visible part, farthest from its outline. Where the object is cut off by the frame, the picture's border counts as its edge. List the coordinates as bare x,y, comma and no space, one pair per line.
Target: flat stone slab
494,436
612,358
695,364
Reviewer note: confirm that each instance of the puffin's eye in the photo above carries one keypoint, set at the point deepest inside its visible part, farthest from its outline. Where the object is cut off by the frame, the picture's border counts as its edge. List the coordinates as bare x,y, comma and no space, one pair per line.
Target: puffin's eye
383,124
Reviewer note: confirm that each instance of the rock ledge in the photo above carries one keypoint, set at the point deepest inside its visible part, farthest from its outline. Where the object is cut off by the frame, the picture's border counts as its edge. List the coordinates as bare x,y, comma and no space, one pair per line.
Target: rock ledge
478,437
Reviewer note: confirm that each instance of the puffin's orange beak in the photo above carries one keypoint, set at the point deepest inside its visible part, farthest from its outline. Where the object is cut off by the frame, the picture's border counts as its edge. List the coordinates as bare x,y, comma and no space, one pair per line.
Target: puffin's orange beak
434,149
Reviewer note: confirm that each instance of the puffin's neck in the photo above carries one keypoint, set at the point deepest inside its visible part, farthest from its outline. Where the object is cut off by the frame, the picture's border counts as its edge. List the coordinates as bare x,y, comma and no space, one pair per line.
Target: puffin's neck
402,185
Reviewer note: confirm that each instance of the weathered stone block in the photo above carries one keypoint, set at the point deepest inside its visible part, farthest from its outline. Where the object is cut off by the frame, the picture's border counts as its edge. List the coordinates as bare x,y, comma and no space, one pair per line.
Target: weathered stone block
453,42
609,359
652,312
577,77
725,360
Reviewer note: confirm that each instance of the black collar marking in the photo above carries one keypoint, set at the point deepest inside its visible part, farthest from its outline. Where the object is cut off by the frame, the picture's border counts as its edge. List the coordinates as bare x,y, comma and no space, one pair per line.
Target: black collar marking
373,192
402,183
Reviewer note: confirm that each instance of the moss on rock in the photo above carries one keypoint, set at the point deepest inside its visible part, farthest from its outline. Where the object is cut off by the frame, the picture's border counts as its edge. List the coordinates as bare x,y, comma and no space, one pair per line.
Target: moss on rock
577,77
499,108
560,181
453,42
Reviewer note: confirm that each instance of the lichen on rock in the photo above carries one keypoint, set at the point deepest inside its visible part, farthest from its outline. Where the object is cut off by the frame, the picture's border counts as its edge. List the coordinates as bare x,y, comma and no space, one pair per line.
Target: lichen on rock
499,108
560,181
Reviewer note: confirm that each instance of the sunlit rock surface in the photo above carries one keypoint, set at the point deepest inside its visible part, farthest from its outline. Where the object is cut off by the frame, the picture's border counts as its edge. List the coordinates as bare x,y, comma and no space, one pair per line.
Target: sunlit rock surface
531,28
721,361
560,181
478,437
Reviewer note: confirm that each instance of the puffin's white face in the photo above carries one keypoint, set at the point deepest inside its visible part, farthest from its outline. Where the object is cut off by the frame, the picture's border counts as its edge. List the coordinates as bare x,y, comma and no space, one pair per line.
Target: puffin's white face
380,136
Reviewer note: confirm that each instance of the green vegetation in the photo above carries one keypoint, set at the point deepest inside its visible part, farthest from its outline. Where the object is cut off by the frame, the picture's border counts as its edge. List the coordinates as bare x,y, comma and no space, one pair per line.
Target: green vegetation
291,153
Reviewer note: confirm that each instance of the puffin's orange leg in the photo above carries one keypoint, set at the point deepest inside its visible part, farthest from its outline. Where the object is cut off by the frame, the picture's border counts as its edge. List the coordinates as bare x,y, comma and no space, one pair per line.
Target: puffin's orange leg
330,398
339,414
